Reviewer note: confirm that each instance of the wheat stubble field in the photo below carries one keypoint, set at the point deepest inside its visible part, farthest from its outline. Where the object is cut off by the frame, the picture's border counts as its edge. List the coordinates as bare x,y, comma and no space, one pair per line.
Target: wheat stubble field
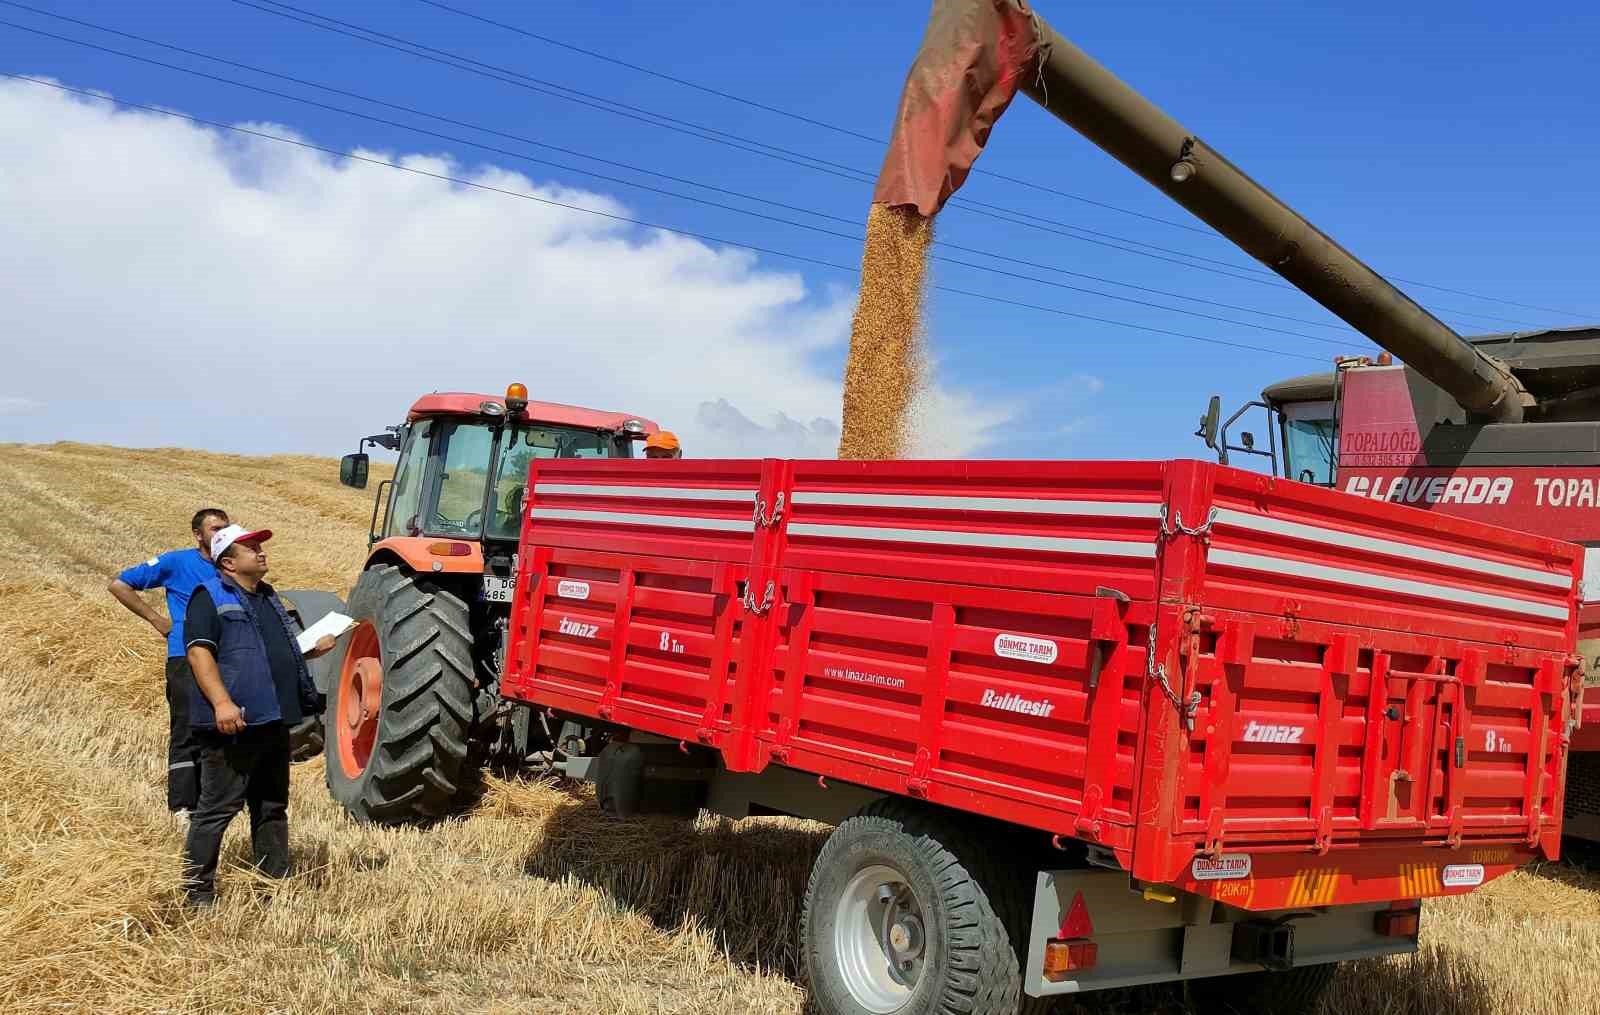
529,901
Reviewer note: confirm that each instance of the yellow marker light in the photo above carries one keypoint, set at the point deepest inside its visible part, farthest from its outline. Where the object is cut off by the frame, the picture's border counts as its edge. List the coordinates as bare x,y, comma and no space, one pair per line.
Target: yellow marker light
516,396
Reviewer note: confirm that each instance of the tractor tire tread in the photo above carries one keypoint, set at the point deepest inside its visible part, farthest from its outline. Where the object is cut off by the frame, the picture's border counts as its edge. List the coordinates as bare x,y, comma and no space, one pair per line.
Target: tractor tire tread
417,762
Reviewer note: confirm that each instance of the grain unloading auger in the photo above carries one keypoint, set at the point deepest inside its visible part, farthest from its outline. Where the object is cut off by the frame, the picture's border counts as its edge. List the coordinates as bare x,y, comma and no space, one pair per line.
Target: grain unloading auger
978,53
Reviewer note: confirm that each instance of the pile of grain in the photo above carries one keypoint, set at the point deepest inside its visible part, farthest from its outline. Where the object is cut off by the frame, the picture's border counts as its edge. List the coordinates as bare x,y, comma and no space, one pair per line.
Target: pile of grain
885,368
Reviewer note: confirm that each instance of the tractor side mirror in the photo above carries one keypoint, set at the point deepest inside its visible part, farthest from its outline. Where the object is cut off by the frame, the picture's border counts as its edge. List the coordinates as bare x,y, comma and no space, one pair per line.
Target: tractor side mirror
353,470
1211,422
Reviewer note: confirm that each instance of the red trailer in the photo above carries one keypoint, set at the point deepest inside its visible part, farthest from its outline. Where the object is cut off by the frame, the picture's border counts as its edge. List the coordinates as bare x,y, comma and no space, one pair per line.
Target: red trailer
1142,721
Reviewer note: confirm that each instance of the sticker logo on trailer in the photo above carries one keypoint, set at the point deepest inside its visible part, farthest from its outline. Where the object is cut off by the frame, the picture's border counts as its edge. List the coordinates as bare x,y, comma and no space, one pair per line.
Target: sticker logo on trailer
572,590
577,630
1028,650
1462,875
1263,733
1227,867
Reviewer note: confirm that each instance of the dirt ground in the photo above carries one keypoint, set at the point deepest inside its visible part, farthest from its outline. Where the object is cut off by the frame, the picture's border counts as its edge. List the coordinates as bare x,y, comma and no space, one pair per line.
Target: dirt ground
529,901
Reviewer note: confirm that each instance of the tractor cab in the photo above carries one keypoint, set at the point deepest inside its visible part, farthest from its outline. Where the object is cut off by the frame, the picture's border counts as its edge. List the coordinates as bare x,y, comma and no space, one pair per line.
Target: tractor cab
454,505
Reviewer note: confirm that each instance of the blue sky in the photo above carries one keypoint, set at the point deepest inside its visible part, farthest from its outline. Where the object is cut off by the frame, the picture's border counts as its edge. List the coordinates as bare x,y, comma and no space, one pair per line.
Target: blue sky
1451,144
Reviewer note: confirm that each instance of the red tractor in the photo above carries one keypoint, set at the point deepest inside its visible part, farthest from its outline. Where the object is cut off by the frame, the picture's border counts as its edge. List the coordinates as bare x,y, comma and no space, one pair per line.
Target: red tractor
413,694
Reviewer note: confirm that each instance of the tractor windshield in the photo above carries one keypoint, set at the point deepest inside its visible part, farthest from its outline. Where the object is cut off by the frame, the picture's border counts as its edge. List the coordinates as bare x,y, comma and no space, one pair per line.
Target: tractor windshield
526,443
475,489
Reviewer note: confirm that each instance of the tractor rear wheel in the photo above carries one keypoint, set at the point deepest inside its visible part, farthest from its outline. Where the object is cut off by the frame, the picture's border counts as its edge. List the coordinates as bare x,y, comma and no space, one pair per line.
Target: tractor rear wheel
398,717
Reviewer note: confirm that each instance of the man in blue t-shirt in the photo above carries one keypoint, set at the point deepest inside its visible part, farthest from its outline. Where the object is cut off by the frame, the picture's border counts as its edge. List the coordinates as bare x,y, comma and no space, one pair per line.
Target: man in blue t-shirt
179,572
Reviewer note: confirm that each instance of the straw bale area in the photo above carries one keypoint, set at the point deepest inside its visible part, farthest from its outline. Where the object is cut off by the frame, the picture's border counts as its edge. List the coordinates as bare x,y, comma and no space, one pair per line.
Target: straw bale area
527,901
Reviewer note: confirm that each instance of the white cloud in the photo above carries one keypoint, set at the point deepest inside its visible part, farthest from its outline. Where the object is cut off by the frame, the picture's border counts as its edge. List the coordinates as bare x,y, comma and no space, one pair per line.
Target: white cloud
951,424
785,437
15,405
183,285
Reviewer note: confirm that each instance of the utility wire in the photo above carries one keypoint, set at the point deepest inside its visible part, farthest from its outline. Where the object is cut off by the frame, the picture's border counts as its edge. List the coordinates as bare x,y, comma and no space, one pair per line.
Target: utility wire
853,237
706,238
555,90
798,117
785,155
743,100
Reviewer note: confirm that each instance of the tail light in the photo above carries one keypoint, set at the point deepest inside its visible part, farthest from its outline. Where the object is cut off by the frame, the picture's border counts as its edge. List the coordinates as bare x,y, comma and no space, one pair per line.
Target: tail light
1073,951
1062,958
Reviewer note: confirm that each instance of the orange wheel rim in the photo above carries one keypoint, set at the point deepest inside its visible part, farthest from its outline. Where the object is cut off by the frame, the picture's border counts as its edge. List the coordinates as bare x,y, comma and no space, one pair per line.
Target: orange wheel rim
358,706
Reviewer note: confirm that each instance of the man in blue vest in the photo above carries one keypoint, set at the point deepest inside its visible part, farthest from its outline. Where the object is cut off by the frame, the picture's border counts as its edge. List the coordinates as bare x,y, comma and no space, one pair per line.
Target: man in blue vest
250,685
178,572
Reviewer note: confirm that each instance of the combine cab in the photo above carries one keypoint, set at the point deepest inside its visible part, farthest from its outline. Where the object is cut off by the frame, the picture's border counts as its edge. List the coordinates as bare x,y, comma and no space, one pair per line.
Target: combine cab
413,698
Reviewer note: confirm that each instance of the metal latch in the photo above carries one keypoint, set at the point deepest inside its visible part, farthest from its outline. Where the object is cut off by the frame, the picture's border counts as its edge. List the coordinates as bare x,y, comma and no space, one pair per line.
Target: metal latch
750,603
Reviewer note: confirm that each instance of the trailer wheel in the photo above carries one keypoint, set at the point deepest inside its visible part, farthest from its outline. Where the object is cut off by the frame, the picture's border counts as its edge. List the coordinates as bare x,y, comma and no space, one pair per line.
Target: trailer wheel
1297,991
906,913
398,716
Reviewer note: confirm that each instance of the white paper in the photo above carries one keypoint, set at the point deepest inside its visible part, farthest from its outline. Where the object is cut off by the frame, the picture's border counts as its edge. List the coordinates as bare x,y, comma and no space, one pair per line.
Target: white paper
333,624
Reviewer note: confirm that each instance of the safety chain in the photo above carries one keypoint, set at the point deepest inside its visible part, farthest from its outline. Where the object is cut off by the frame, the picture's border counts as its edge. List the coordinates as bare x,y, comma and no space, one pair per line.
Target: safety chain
766,600
1202,531
761,518
1158,673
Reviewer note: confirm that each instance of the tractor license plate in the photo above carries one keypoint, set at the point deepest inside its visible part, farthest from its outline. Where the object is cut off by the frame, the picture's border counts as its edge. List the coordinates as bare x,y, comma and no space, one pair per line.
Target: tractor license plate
497,589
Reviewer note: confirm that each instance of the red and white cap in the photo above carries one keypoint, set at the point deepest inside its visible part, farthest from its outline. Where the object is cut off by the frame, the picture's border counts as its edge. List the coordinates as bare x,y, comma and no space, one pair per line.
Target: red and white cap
236,534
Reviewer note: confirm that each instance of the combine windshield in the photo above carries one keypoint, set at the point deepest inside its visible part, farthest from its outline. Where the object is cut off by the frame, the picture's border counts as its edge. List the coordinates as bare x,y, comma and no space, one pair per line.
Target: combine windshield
1308,442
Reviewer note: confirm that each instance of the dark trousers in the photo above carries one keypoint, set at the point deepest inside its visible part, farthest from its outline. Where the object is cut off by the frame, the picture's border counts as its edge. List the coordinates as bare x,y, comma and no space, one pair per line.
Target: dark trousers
246,768
183,753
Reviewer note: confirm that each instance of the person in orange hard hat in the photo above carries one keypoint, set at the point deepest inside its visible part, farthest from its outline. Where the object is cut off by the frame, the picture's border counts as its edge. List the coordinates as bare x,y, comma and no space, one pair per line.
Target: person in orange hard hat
663,444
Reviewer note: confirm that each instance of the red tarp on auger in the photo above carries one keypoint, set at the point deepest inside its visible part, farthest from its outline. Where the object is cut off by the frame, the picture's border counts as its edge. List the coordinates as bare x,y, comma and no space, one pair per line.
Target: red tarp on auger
968,69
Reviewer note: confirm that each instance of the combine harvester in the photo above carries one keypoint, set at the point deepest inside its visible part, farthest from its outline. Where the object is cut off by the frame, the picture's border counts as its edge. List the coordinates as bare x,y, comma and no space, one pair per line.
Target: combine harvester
1080,725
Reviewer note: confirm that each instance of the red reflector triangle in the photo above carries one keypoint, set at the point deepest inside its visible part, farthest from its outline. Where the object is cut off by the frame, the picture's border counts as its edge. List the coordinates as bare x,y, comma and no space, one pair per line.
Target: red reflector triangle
1077,924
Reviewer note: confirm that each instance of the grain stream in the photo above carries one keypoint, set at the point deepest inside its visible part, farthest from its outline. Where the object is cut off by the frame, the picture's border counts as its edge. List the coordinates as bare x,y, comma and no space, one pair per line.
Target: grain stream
886,365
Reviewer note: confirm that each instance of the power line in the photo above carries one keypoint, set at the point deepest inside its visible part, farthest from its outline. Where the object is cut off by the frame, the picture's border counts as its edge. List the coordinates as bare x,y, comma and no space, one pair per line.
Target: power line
1591,315
798,117
477,185
743,100
551,89
853,237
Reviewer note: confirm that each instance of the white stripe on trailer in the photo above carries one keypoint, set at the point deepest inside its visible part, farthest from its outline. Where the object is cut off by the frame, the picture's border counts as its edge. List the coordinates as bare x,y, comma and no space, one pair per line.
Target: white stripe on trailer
985,540
1389,547
550,514
663,492
944,502
1369,580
